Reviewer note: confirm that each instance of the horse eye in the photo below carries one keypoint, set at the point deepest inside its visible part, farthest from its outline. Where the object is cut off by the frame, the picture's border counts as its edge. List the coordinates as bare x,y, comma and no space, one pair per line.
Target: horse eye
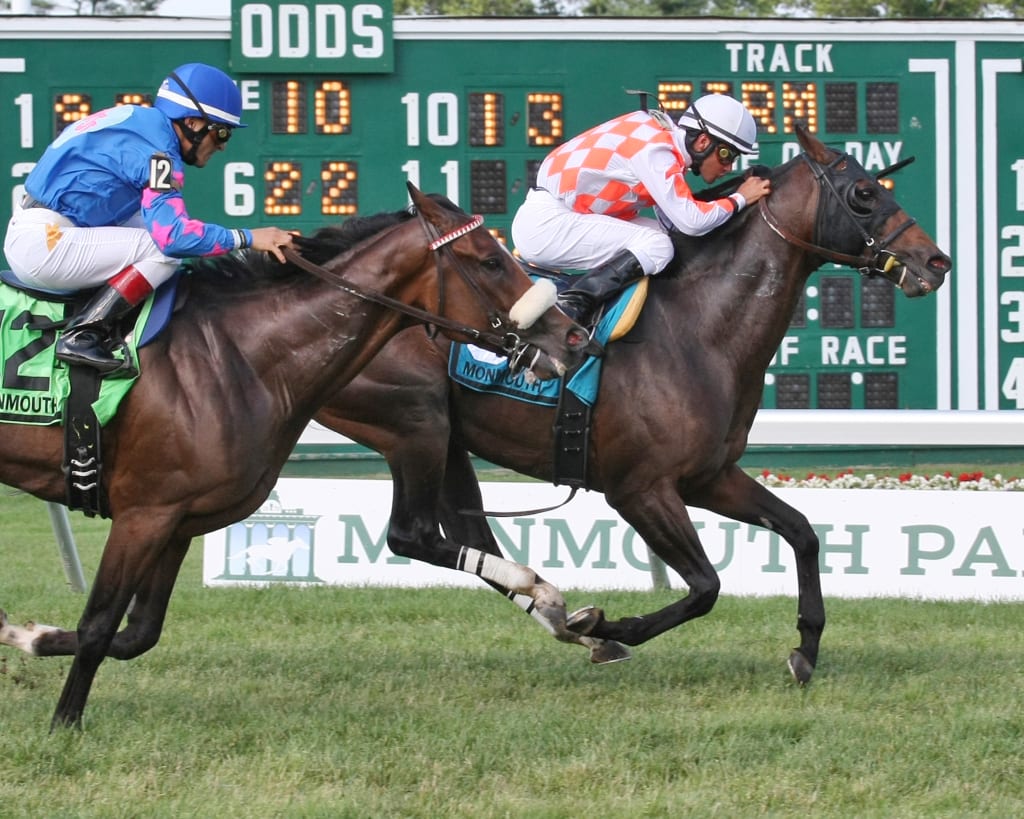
863,200
491,263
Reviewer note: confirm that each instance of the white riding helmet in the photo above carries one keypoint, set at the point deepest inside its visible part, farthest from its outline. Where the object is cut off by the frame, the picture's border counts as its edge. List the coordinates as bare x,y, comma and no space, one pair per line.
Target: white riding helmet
724,118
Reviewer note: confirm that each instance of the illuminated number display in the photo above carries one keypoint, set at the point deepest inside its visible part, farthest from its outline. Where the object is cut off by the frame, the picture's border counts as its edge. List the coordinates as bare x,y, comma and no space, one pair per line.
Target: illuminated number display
675,97
545,126
72,107
332,107
759,99
799,105
145,100
487,119
283,186
332,111
68,108
339,189
288,107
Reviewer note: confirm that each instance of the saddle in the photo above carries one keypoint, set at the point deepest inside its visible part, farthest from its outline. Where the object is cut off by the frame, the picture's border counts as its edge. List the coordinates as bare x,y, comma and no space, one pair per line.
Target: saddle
627,310
573,395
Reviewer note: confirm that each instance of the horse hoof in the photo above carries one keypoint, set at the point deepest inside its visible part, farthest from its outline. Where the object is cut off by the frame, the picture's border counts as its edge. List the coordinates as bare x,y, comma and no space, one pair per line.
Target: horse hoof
585,620
800,668
609,651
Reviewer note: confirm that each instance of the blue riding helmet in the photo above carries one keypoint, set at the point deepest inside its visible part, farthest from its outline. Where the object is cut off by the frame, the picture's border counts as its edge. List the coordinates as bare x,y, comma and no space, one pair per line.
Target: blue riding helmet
216,93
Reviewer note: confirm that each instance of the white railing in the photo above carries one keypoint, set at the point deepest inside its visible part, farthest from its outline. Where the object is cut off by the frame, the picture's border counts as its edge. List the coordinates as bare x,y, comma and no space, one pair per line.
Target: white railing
889,428
910,428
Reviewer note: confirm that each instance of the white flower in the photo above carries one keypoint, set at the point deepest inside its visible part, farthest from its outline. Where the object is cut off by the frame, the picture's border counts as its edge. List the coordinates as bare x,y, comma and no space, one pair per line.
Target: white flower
973,482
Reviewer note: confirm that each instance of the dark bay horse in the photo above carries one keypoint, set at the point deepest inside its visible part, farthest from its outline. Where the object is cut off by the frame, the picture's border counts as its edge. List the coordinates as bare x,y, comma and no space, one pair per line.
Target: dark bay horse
228,388
677,399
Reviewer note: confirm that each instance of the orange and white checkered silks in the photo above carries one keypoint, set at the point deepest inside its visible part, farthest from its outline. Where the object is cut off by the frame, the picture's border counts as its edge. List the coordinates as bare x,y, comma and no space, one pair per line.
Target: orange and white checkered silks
592,172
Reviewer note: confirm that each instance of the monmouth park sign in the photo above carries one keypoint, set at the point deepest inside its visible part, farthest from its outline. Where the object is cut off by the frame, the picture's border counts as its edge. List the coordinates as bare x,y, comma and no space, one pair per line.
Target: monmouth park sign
922,544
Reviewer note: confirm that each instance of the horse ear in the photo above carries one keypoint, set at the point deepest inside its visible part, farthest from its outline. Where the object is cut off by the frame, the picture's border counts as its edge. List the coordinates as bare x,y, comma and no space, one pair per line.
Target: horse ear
415,194
424,204
812,146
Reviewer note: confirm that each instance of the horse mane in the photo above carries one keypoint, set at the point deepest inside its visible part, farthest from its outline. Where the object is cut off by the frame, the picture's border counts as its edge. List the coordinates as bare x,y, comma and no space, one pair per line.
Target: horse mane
249,270
691,248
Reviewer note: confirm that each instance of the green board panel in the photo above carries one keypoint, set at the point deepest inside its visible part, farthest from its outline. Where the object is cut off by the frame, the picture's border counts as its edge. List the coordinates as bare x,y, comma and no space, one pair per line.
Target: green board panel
470,107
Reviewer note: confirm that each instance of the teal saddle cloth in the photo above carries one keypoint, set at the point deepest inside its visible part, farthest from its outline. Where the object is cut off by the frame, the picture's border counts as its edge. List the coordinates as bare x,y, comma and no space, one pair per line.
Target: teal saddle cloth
484,371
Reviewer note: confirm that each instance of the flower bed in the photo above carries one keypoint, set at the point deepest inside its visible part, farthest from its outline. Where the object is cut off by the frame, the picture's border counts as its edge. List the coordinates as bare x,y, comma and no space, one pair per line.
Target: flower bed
846,479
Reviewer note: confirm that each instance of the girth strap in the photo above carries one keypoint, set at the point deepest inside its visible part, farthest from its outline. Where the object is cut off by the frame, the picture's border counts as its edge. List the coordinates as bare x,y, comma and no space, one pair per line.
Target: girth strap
83,458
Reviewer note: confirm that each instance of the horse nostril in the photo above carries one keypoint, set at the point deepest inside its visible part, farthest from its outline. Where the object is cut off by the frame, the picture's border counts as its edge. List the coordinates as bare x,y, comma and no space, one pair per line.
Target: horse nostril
577,339
940,264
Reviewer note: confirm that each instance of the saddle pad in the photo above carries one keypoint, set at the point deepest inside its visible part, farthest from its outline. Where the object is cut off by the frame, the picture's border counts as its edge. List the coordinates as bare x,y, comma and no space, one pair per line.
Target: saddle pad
484,371
34,388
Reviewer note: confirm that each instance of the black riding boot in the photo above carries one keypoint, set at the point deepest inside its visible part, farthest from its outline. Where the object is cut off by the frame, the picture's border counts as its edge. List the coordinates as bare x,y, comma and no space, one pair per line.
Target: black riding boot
592,288
85,341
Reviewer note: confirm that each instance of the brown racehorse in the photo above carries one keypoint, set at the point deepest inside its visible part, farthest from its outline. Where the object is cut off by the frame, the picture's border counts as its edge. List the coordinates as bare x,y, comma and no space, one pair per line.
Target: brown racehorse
677,399
228,388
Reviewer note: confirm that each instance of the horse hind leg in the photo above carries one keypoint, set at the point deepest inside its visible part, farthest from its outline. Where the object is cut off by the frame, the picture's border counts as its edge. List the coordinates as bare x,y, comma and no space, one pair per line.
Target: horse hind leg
146,614
38,640
139,552
461,529
27,637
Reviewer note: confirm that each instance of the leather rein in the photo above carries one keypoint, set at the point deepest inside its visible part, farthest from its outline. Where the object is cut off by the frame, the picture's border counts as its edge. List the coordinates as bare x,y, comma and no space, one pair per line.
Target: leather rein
506,340
876,259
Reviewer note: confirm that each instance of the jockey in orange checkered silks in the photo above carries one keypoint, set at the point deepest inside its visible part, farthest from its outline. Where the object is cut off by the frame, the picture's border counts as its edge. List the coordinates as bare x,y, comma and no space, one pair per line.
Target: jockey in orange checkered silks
585,209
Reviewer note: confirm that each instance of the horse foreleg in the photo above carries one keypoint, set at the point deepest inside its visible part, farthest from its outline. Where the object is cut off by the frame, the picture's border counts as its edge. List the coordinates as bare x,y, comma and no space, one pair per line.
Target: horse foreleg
738,496
517,578
459,505
135,543
659,516
418,536
661,520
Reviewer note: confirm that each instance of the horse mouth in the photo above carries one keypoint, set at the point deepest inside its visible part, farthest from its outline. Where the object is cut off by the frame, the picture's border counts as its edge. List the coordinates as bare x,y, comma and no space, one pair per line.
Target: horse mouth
535,365
910,283
536,373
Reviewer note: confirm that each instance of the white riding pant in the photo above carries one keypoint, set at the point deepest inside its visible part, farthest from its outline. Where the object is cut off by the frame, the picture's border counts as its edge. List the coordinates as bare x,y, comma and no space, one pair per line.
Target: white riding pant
549,233
46,250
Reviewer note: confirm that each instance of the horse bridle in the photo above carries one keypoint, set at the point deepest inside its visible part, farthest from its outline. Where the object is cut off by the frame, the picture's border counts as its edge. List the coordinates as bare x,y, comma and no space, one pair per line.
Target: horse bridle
505,340
876,260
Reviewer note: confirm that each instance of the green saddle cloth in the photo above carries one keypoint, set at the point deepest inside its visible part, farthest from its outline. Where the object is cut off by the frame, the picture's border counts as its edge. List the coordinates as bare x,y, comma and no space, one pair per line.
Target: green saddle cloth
35,385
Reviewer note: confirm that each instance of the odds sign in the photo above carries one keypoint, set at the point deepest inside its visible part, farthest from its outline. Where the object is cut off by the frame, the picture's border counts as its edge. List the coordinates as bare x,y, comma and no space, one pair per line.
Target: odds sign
339,37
